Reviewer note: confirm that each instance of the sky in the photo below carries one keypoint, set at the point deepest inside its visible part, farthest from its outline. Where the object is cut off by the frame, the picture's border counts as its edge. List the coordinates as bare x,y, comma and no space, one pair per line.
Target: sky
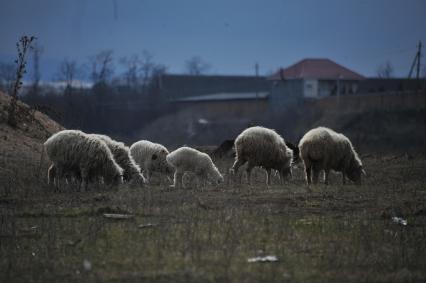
230,35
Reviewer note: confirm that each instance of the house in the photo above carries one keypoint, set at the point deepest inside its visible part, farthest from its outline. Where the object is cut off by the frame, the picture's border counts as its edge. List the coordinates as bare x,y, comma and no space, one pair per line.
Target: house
316,78
310,79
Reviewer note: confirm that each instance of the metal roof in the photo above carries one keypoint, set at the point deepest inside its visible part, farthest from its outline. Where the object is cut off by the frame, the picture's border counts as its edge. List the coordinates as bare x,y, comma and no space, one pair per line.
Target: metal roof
313,68
226,96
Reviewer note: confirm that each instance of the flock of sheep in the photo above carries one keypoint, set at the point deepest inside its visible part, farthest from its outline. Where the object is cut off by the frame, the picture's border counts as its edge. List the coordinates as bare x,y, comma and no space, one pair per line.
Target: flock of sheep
97,158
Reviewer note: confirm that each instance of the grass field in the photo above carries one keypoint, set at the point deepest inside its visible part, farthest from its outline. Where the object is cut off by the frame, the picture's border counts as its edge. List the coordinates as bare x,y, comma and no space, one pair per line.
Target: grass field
319,234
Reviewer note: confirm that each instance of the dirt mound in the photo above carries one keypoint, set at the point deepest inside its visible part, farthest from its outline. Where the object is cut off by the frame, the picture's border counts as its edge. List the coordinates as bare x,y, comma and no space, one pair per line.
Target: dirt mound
21,147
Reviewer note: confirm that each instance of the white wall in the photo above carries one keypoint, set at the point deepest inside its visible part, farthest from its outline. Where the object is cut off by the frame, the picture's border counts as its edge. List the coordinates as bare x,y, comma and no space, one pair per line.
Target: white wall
310,88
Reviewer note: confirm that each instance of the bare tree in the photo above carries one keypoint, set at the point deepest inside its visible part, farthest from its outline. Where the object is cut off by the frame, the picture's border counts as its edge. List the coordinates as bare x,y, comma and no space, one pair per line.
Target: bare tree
132,65
7,74
102,66
385,70
147,67
22,46
150,71
196,66
67,72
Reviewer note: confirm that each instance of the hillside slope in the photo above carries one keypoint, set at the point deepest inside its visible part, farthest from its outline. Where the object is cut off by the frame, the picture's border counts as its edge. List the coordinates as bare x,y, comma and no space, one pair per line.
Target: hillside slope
21,147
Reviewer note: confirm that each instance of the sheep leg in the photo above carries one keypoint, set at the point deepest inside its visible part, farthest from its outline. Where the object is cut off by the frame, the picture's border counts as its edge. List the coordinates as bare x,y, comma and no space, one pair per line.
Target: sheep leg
343,178
237,164
281,174
177,180
315,175
204,180
201,180
248,170
197,181
59,175
77,179
308,171
84,179
268,177
148,176
327,173
51,172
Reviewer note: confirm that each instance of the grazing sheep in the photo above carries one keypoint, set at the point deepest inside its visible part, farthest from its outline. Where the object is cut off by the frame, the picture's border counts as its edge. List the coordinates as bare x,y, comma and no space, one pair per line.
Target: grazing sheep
259,146
74,152
122,156
186,159
151,157
324,149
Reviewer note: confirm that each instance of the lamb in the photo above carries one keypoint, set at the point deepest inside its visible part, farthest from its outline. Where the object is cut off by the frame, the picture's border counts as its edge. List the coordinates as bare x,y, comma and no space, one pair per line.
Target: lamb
74,152
324,149
259,146
123,158
151,157
186,159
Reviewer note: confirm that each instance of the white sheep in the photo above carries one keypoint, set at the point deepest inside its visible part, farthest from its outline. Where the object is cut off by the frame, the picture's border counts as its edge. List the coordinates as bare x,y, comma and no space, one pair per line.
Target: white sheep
186,159
324,149
259,146
73,152
122,156
151,157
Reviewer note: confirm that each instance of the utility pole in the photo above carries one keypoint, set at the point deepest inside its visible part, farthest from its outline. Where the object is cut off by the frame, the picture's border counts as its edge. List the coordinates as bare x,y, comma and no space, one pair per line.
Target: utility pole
416,62
37,52
256,71
419,56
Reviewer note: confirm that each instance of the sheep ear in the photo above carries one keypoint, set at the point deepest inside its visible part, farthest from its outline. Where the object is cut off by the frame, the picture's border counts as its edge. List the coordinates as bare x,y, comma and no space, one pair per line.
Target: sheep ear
154,156
363,172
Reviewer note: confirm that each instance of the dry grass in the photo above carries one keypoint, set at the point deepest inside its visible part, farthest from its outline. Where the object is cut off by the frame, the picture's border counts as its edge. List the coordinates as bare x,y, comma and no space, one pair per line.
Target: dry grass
319,234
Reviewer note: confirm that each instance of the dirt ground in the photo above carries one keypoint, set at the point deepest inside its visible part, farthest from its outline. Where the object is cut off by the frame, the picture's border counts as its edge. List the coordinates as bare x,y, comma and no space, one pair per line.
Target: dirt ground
319,234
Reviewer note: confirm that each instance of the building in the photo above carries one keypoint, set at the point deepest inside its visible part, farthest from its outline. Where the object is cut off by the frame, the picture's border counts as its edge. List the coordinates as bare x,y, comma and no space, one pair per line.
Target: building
226,105
311,79
211,108
213,97
174,87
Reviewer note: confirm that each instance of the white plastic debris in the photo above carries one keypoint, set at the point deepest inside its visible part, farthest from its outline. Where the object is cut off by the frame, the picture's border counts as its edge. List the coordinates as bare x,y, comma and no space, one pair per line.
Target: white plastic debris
400,220
87,265
268,258
117,216
203,121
